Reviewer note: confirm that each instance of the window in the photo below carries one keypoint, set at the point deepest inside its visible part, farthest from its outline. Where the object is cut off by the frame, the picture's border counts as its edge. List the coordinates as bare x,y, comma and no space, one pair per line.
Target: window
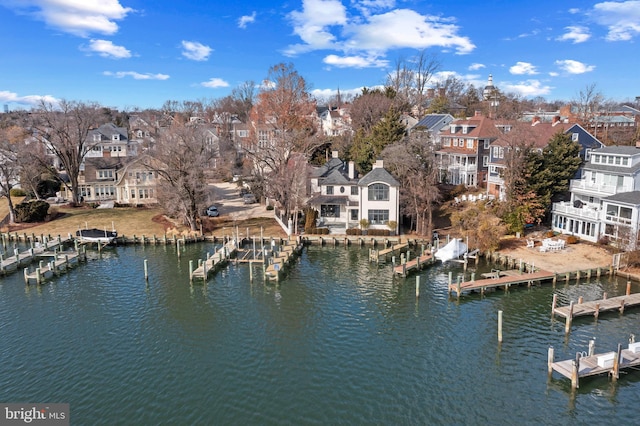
329,210
470,143
446,142
96,137
486,144
455,142
378,192
329,190
625,161
496,152
139,133
115,137
378,217
485,160
354,214
354,190
574,137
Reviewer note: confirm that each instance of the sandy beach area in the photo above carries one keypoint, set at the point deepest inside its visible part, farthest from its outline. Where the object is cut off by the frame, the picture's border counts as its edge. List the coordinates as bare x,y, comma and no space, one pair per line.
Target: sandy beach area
573,257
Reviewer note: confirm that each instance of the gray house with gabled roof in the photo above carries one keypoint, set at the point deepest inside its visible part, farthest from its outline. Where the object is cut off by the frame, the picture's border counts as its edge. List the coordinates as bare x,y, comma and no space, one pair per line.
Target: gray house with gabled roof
605,200
343,200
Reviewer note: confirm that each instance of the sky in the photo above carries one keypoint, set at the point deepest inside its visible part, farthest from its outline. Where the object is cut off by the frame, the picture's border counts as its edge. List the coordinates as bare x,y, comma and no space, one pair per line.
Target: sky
141,53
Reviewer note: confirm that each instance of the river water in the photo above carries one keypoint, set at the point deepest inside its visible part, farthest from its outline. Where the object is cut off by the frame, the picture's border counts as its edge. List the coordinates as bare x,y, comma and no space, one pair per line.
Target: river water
339,341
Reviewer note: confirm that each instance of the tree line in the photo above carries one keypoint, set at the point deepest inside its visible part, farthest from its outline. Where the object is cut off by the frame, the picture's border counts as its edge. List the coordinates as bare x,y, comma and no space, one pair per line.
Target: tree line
285,140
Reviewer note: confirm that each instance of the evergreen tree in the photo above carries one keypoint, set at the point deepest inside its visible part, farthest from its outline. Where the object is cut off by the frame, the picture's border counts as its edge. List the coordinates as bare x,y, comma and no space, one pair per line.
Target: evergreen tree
366,148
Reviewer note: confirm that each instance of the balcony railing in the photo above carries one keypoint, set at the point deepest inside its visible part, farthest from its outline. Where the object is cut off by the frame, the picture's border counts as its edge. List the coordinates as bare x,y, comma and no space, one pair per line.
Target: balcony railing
584,185
585,212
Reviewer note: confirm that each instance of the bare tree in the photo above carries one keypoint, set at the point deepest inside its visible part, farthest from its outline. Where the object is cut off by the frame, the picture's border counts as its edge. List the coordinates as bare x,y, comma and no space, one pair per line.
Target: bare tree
11,146
369,108
244,95
64,129
283,117
587,103
412,162
180,157
410,79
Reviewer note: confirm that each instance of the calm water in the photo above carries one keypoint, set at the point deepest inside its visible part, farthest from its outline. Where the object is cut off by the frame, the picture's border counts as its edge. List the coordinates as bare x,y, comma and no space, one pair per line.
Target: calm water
339,341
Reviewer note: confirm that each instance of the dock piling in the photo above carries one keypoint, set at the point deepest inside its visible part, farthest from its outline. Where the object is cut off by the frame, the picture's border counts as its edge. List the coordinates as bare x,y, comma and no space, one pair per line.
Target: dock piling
550,361
417,287
499,326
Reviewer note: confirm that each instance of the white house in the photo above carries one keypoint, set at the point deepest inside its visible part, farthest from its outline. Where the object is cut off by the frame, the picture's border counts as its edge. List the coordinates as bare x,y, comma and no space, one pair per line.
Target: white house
605,201
342,199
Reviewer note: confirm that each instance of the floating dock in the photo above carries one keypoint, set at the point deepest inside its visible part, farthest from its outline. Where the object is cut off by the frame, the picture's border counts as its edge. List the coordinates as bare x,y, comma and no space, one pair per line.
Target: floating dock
585,365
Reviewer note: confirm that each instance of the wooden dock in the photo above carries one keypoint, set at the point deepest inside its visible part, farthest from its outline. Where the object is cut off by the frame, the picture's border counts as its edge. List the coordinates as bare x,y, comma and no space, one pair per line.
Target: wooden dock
586,365
500,279
414,265
283,257
375,255
595,307
12,263
59,263
212,263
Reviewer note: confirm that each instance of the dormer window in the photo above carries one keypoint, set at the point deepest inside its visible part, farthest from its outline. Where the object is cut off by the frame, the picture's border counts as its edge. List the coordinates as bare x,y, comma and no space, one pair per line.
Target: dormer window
465,129
96,137
115,137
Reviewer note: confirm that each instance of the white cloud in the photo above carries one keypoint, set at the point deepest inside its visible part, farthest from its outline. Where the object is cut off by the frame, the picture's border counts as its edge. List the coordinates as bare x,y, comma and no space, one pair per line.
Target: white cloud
521,68
325,25
107,49
195,51
554,74
214,83
311,24
354,62
574,10
476,66
621,18
246,19
574,67
527,88
576,34
404,28
79,17
32,100
136,75
329,93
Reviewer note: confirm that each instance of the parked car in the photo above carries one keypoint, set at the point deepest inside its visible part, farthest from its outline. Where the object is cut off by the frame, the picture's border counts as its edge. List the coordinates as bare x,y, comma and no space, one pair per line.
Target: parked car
249,198
244,191
212,211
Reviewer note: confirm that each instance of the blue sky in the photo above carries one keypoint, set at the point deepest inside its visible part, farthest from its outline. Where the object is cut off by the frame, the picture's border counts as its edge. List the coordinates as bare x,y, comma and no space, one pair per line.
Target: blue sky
140,53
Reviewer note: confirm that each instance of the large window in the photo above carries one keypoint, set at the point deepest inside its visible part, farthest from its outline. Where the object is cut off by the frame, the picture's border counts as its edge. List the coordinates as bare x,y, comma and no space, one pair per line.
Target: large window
378,217
329,190
329,210
354,214
354,190
378,192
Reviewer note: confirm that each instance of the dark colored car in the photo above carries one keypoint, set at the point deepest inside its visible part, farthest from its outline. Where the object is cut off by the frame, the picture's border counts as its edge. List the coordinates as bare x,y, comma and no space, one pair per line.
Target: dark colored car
249,198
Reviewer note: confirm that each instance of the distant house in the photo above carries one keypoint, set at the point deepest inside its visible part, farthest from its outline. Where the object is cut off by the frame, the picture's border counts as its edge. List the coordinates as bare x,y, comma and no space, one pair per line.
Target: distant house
137,184
605,200
110,140
335,121
98,177
535,135
433,124
342,199
463,157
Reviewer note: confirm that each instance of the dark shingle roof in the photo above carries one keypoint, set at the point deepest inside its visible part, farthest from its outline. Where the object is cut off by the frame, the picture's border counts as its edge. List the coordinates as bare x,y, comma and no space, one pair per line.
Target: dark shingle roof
632,198
378,175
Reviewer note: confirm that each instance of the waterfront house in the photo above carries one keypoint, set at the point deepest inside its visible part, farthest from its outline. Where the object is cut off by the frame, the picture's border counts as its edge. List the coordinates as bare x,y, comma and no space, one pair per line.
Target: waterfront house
605,199
342,199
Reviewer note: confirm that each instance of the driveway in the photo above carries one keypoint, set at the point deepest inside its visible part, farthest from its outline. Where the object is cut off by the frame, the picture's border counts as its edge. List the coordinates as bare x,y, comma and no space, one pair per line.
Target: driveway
226,196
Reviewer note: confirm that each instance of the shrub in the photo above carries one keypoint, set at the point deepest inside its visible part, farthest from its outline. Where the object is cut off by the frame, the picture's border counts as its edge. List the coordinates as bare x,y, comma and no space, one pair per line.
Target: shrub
17,192
354,231
34,211
572,239
378,232
364,223
604,240
269,207
549,234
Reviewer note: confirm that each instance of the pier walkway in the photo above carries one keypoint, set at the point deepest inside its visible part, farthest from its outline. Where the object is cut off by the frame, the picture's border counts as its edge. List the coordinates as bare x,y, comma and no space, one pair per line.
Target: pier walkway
60,262
414,265
12,263
287,252
500,279
376,255
212,263
585,365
